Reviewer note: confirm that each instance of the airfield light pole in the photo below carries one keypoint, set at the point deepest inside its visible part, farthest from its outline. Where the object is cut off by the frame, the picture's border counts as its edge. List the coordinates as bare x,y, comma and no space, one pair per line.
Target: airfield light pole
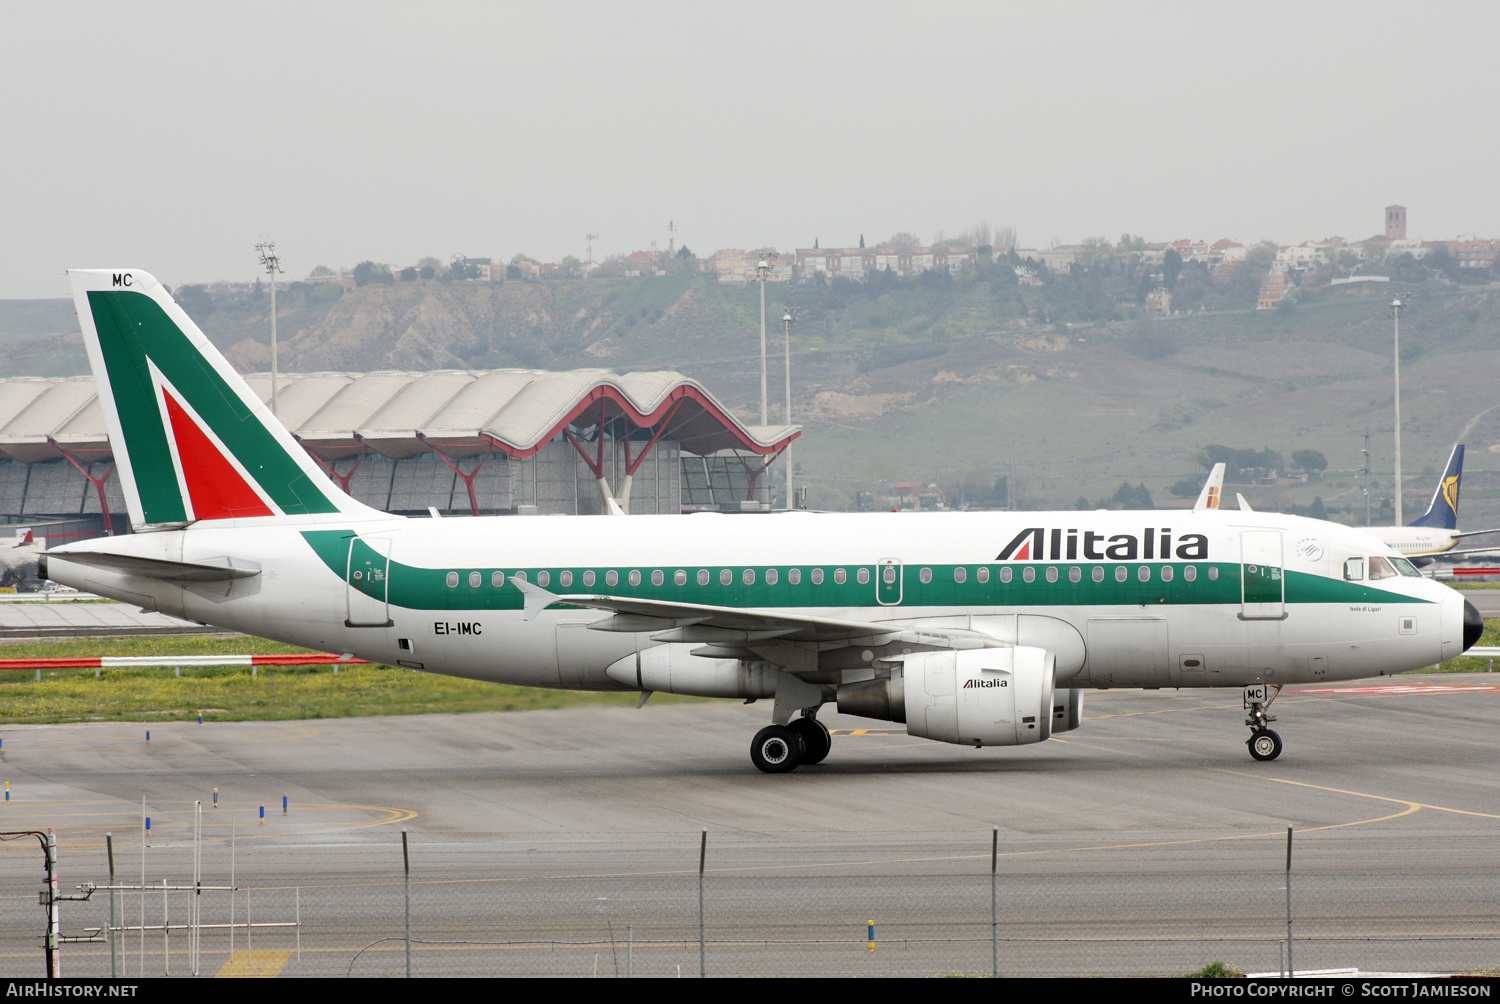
1396,306
272,263
1366,472
762,270
786,328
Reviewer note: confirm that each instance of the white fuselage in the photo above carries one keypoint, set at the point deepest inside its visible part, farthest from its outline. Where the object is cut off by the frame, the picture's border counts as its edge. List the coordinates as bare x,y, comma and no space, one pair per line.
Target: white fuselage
1145,621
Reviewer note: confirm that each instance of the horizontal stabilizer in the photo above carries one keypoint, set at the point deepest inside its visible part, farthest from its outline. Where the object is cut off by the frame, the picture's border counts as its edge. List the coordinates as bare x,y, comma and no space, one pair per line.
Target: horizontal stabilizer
207,570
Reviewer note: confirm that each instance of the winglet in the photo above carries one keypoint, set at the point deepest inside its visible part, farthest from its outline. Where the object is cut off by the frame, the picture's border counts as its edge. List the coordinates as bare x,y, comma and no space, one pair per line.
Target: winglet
1208,498
537,598
1244,506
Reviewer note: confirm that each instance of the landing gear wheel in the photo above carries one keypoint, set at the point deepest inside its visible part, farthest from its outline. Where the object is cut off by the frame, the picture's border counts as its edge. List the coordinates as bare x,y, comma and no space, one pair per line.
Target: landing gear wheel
776,749
816,742
1265,745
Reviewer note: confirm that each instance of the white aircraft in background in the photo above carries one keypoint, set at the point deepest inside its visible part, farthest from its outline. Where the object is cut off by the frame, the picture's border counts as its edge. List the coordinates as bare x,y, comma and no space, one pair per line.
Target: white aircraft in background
20,556
1436,530
975,628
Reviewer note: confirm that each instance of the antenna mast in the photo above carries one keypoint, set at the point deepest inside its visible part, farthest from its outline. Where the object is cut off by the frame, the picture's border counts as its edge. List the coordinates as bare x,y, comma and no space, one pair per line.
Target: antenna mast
588,254
268,258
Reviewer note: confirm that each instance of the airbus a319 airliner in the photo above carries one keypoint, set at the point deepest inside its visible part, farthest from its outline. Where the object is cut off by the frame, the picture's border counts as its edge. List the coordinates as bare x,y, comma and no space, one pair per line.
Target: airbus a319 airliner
982,629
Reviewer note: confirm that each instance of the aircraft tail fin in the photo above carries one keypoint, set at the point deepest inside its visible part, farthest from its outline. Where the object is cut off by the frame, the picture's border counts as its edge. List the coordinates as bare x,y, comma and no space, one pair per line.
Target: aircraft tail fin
191,440
1213,489
1442,513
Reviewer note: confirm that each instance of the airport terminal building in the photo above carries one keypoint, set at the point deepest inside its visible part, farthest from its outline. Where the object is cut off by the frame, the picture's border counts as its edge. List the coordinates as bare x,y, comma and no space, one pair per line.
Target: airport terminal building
461,442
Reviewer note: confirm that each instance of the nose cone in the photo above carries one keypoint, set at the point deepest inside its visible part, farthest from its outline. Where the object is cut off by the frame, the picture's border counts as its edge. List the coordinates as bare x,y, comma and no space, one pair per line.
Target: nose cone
1473,625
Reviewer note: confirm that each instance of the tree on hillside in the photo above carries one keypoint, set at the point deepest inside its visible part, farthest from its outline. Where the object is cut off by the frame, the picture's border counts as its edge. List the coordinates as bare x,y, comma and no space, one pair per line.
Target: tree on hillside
197,301
684,253
407,274
1311,461
367,273
322,272
903,240
1171,268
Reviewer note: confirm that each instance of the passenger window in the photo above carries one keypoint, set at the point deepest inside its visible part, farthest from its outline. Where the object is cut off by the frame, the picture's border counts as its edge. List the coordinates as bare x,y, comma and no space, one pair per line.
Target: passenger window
771,576
1121,573
702,576
1166,573
657,578
840,576
1213,573
543,579
497,579
1144,573
1098,573
519,575
1029,574
863,575
794,576
1005,574
1354,570
452,580
817,576
475,579
726,577
565,578
924,576
635,578
1190,573
1075,574
680,577
1380,568
888,573
749,577
611,578
983,575
960,574
588,578
1051,573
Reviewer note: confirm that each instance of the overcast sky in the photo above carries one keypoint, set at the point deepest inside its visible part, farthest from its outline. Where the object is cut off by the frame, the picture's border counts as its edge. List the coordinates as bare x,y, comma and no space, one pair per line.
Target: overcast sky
170,137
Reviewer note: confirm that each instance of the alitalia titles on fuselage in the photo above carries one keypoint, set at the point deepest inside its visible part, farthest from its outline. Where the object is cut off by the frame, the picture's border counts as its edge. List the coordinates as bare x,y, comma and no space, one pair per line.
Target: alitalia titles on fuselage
1037,543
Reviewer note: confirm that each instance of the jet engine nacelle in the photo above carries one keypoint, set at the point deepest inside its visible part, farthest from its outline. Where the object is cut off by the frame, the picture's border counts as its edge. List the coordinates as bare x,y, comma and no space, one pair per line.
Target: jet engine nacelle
673,669
1067,709
976,697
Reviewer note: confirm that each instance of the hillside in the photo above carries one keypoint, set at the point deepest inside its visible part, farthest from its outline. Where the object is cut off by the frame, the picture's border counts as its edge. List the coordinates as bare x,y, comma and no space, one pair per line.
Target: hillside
938,380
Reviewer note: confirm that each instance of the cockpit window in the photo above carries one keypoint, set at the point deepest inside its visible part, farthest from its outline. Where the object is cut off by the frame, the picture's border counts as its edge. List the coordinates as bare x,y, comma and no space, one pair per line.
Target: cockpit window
1406,568
1354,569
1380,568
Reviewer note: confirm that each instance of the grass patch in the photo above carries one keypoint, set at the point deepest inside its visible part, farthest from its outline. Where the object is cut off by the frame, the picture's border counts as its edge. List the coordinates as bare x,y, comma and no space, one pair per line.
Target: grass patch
231,693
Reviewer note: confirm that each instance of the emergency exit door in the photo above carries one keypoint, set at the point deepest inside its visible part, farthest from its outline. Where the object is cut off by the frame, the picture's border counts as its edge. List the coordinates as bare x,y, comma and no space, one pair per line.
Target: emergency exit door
888,582
366,582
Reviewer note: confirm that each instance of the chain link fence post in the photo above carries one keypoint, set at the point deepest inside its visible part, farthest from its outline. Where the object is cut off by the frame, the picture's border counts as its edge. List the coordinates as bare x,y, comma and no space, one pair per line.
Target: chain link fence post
1290,969
406,869
995,902
702,930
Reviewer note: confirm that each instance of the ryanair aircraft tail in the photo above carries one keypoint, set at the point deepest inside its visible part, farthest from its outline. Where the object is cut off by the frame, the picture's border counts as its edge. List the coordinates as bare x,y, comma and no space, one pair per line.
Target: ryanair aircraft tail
1442,514
191,440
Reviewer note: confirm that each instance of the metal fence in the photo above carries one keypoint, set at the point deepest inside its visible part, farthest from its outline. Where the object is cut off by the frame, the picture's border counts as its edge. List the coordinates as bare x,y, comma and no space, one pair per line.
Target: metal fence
972,907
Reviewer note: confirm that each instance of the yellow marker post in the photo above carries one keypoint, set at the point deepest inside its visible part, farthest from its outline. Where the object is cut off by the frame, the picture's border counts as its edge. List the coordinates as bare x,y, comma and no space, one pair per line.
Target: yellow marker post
872,935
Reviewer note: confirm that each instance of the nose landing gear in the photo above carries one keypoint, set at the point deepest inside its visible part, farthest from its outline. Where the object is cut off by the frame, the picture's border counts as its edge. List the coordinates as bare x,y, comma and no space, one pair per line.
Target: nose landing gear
1264,744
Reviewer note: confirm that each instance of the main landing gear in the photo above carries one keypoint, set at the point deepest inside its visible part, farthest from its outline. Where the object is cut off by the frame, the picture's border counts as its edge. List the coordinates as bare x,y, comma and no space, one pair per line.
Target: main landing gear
1264,744
778,749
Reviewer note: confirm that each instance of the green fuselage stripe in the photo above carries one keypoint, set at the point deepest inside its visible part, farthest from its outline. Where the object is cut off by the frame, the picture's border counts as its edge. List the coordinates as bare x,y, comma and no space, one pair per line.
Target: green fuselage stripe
1214,583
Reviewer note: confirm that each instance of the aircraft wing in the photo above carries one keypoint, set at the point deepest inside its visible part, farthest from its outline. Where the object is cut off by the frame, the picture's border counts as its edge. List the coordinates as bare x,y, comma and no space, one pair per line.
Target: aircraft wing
695,622
1474,533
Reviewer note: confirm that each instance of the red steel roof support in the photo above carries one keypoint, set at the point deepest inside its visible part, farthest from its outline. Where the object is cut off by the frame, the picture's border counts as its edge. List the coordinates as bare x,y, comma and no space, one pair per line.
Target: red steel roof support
98,483
468,479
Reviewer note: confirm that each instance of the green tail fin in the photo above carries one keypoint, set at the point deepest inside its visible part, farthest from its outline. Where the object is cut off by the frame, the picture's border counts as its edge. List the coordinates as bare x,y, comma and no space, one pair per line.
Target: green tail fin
191,440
